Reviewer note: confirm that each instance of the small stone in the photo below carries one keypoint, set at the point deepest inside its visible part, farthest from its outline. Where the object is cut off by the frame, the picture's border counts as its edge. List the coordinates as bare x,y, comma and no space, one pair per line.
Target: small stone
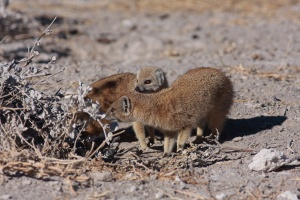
102,176
141,187
268,160
287,195
182,186
133,188
6,196
221,196
26,182
159,195
237,139
178,179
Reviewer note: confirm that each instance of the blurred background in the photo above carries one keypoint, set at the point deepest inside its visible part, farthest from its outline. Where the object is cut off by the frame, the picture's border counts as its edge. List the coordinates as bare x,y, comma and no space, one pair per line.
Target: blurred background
96,38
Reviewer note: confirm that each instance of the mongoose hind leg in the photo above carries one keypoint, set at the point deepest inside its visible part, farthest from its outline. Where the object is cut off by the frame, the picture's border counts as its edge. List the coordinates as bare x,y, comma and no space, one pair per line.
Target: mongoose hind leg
200,136
139,131
169,142
216,124
152,139
183,136
200,133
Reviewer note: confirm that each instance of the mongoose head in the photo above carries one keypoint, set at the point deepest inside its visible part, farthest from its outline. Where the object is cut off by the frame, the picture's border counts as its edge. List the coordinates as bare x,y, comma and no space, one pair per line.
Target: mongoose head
149,79
120,110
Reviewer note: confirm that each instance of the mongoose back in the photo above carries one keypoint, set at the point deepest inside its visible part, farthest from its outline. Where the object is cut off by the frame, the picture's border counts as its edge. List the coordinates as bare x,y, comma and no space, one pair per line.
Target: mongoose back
108,89
201,96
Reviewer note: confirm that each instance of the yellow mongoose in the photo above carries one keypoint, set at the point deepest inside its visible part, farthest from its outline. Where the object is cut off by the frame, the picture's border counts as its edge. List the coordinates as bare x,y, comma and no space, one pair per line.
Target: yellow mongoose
201,96
108,89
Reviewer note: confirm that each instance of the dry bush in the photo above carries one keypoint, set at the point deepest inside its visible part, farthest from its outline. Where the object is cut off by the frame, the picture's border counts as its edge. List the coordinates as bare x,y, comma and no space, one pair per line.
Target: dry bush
38,130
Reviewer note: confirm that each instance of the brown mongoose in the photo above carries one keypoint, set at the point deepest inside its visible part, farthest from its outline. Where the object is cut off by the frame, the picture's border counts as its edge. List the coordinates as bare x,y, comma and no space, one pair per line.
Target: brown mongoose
201,96
108,89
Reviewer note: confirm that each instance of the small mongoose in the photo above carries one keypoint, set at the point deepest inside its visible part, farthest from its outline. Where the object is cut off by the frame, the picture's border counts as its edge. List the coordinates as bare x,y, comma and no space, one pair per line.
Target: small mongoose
199,97
107,90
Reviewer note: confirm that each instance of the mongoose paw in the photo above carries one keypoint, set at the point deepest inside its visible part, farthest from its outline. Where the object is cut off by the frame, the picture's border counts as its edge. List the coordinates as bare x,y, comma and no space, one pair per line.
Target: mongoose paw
166,154
151,142
179,149
142,149
198,140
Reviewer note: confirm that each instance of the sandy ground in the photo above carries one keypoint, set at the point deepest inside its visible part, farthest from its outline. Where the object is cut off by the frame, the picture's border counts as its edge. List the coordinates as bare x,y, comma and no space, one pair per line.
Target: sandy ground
257,45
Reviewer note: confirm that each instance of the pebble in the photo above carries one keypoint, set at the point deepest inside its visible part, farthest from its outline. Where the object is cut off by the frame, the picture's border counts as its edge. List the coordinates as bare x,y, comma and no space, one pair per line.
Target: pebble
102,176
178,179
221,196
159,195
26,182
6,196
237,139
182,186
133,188
287,195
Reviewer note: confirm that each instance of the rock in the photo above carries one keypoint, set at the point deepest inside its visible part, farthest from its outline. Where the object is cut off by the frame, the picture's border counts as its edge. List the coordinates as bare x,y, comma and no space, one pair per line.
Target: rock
178,179
220,196
182,186
287,195
133,188
159,195
6,196
267,160
102,176
237,139
26,182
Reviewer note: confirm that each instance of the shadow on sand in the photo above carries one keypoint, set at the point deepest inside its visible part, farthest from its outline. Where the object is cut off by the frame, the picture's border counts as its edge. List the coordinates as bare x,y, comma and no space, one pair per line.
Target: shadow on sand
243,127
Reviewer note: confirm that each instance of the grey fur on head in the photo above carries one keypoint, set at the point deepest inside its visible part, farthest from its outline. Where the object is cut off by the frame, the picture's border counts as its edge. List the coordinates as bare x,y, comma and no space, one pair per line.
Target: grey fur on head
160,76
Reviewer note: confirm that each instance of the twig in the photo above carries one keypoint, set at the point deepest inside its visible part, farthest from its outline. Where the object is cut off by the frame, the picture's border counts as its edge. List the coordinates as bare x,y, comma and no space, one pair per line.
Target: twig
102,145
36,75
3,39
78,135
61,70
22,138
61,161
7,108
252,195
142,165
191,194
32,52
94,152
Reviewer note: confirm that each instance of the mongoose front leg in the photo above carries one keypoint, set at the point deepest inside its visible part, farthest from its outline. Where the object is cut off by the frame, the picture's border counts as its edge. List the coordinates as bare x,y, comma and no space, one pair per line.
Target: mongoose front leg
140,134
183,136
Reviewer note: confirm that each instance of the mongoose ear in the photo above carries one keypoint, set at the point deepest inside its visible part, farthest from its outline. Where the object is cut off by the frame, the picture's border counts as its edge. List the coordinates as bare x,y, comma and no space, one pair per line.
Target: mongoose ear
125,105
138,73
160,76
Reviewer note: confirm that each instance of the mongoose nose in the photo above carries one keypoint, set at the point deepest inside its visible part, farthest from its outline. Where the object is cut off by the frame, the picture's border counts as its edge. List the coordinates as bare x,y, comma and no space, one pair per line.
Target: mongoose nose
137,89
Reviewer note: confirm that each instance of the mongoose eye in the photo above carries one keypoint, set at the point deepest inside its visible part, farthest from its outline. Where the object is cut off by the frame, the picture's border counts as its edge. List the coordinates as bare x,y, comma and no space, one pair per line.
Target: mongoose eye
147,82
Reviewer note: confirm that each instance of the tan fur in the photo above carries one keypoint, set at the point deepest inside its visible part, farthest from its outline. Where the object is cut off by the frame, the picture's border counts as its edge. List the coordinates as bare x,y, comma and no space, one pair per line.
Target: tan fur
201,96
150,79
108,89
